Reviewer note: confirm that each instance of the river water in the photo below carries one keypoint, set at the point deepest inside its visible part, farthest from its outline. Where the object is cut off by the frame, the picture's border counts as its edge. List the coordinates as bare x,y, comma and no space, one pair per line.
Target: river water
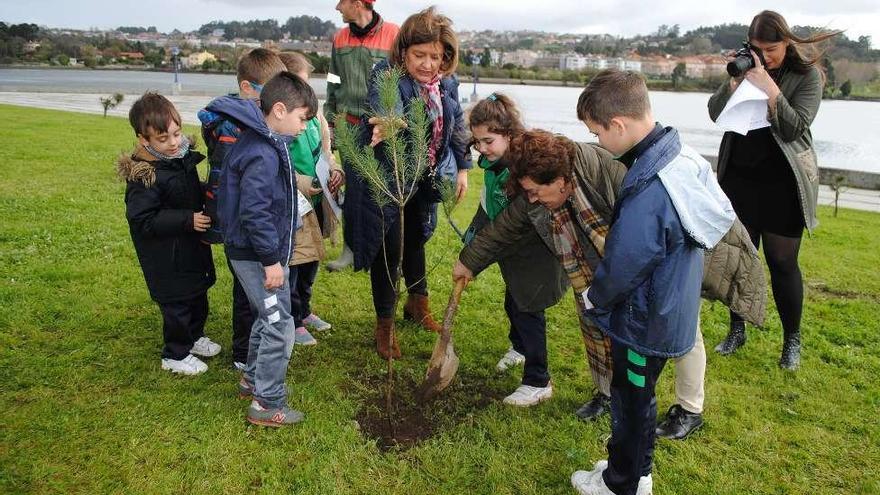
846,133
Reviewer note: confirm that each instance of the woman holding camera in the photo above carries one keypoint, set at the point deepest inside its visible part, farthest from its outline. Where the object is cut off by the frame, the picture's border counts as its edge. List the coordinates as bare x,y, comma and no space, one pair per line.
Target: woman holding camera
770,174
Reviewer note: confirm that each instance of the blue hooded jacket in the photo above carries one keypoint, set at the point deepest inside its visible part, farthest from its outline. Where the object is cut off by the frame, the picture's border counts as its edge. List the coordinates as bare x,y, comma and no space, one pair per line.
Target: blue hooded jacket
220,134
646,290
363,220
257,198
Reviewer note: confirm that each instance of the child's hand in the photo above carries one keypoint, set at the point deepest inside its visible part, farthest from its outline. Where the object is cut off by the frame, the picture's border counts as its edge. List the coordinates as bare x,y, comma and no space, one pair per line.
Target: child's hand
274,276
201,222
337,178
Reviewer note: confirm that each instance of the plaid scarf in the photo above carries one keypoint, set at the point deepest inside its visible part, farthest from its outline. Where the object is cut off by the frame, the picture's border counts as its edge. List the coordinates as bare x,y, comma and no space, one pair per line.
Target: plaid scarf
430,92
568,243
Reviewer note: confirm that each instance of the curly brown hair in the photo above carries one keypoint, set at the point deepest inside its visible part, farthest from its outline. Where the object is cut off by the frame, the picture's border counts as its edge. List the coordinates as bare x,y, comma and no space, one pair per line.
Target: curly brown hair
541,156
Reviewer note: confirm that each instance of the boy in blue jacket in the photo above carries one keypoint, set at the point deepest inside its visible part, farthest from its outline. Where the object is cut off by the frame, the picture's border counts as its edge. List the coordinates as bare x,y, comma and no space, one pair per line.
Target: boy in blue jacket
258,212
646,291
220,132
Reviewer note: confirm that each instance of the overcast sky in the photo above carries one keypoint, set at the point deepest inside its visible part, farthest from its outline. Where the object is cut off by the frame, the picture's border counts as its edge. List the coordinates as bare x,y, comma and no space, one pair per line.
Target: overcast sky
621,17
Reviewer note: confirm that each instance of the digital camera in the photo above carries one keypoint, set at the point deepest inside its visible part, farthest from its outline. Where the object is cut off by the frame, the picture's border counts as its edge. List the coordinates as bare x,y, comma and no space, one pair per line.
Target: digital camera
743,60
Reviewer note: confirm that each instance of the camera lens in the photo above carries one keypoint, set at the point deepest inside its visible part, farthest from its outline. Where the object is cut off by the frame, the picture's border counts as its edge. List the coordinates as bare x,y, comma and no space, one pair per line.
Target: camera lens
740,65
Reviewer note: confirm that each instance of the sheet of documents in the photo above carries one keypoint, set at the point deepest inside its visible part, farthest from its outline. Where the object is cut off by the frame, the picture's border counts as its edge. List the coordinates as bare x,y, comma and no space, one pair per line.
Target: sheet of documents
322,170
746,110
303,204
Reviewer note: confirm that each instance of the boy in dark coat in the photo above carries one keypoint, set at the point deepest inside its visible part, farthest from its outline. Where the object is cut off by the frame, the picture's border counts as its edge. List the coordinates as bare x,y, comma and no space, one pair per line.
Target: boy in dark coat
163,202
258,212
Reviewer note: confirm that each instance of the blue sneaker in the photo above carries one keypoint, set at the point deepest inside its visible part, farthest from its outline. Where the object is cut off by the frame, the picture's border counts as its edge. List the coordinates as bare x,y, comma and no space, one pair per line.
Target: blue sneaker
303,337
315,323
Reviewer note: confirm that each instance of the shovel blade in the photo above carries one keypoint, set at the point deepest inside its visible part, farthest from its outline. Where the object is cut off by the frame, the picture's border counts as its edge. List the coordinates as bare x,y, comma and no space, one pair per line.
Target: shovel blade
441,371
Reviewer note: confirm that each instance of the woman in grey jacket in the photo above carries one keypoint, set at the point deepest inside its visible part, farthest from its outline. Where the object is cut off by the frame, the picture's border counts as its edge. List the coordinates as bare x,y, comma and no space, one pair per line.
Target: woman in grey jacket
770,174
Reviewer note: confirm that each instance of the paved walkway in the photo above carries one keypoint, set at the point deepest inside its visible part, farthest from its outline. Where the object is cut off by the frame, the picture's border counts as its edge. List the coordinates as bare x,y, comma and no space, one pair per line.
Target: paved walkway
188,106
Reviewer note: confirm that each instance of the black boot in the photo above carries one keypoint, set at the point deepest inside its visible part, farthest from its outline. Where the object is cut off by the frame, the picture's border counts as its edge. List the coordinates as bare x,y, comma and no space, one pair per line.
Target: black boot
735,338
679,423
597,406
791,352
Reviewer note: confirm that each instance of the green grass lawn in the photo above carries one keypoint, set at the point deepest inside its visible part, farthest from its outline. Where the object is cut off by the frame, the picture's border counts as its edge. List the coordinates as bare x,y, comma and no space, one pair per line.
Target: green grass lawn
84,407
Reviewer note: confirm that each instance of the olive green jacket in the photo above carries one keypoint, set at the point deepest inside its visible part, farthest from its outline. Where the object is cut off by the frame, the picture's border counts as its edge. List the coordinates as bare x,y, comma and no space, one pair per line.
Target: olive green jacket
533,276
597,174
733,273
796,107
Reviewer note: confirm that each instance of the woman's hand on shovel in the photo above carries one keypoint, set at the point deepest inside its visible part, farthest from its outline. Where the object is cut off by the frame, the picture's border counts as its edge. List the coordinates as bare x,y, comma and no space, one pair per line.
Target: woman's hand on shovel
460,271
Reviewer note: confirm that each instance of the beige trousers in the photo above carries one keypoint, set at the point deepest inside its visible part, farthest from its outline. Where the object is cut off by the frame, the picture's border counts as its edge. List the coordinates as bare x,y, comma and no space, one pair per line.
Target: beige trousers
690,374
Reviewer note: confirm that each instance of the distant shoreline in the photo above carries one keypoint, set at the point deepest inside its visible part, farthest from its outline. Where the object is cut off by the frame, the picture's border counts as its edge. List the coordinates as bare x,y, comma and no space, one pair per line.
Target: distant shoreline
464,79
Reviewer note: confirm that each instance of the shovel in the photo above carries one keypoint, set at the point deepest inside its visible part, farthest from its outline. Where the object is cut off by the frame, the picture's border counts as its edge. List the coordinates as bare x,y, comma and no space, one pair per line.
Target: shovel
444,363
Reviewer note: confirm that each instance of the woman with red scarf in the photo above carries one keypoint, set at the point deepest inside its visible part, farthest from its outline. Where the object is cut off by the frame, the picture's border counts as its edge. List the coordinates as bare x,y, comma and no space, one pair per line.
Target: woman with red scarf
426,49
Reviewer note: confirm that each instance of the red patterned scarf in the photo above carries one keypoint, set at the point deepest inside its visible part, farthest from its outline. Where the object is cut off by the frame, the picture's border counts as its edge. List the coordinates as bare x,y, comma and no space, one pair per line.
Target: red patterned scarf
430,92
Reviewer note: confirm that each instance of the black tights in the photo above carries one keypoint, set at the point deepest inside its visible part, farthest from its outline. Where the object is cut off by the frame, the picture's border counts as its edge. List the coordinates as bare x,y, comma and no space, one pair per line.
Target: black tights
781,253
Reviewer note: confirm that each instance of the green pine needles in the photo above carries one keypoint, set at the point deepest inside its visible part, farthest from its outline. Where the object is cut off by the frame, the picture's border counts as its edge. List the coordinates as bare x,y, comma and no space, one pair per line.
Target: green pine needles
405,133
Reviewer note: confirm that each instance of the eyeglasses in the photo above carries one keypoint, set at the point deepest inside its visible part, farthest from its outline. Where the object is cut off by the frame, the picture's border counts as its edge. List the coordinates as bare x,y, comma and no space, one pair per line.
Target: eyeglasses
256,87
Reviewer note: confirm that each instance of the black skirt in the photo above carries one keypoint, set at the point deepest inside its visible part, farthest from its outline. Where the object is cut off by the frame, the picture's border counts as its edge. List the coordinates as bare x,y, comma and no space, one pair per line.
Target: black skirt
761,185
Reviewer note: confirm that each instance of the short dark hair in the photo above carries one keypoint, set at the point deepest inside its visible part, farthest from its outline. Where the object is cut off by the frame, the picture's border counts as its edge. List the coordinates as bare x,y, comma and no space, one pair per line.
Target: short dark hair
152,111
259,65
289,89
541,156
614,93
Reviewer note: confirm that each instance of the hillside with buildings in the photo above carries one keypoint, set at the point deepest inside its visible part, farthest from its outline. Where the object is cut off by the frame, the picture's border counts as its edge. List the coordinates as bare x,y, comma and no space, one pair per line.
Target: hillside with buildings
668,58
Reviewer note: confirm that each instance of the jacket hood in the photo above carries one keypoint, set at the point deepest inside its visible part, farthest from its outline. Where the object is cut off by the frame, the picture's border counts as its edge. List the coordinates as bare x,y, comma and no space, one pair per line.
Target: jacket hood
140,165
704,210
646,166
246,112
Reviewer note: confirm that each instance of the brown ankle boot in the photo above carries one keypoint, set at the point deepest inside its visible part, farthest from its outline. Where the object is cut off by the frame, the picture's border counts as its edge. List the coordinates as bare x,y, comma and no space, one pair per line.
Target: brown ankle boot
416,309
384,327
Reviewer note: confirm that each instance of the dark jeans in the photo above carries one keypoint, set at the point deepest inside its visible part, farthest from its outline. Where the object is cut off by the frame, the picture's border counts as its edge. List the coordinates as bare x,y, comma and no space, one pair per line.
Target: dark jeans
414,238
528,334
183,322
242,319
633,418
302,277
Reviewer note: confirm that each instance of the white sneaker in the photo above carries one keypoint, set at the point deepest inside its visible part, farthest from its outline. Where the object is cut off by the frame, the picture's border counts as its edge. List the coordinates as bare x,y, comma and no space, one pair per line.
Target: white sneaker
239,365
585,481
205,347
190,365
591,482
526,395
509,360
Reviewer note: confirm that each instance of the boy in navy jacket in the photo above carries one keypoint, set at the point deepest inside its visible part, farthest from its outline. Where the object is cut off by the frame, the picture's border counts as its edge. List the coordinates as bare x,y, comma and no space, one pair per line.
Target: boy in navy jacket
646,291
220,132
258,212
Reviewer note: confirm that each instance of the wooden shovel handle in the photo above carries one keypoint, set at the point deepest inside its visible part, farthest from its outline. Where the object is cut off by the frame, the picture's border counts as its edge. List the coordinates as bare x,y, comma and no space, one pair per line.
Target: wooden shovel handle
452,307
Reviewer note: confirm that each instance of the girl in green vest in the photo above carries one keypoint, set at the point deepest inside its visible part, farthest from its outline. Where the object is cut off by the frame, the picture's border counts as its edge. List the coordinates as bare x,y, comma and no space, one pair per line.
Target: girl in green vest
318,221
531,265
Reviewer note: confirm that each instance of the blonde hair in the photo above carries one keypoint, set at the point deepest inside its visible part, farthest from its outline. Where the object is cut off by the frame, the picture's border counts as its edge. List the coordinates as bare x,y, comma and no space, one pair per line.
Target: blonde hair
296,62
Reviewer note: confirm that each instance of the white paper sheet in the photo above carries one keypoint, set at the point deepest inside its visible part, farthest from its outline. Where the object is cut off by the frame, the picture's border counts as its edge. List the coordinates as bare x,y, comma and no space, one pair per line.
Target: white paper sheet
587,303
303,204
745,111
322,170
